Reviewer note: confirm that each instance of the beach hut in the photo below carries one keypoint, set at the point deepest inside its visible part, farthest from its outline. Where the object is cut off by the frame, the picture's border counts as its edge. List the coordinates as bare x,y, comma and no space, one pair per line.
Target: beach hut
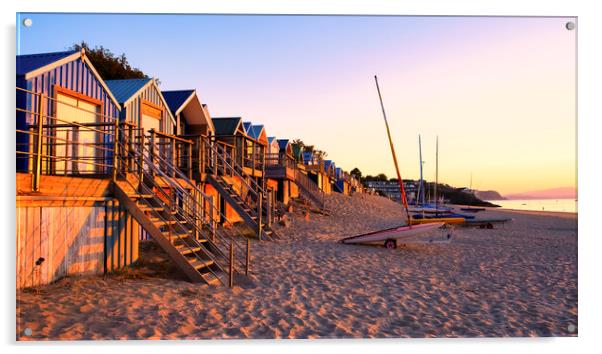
341,181
65,88
194,124
247,127
285,148
71,225
143,105
297,152
228,126
273,147
192,117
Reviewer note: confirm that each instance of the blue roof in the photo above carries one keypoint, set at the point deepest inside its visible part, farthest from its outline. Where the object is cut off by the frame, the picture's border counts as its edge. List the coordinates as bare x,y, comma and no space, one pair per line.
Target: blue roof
282,143
31,62
124,89
226,125
307,156
246,126
175,99
328,163
255,131
271,139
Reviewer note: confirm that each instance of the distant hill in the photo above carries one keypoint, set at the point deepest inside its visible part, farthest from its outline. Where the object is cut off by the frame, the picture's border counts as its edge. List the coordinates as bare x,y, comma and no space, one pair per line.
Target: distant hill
553,193
489,195
458,196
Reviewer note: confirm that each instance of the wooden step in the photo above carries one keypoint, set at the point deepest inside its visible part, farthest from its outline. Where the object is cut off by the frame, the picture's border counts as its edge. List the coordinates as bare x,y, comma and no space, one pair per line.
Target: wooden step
211,279
176,236
200,264
147,208
159,222
167,222
139,196
184,249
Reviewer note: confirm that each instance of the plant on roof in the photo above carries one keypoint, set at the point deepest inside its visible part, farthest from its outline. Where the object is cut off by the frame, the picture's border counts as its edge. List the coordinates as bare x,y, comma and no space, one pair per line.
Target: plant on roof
108,65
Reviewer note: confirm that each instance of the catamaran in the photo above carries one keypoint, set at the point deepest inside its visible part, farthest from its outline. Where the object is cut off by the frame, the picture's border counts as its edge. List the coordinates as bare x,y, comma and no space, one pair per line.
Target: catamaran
411,232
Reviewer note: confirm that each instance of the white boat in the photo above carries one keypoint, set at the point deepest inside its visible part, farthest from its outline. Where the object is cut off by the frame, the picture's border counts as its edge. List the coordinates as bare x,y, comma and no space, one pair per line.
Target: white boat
403,234
409,233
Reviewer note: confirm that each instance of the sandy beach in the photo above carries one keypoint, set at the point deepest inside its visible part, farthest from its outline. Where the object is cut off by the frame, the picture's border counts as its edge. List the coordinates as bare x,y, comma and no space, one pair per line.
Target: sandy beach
519,279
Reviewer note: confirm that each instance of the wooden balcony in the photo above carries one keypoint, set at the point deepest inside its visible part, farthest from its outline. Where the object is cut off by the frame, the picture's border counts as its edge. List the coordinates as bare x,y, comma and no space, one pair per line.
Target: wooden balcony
279,166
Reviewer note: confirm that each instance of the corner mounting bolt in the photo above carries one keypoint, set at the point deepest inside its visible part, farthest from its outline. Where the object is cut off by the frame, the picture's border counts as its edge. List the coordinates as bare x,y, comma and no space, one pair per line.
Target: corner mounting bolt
570,25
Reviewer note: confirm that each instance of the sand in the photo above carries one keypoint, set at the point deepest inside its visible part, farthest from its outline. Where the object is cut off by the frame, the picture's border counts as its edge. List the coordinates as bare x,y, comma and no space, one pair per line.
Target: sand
519,279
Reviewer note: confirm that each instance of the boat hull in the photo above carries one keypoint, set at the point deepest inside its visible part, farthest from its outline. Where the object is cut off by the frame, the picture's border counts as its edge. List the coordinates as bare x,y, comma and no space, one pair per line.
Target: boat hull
397,233
424,221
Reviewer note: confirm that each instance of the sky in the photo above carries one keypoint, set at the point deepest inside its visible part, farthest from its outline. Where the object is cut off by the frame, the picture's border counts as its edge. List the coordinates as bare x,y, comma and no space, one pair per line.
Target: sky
499,92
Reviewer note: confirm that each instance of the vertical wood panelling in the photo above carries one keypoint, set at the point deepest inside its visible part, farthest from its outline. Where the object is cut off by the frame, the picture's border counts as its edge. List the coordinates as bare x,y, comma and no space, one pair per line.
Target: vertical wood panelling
73,240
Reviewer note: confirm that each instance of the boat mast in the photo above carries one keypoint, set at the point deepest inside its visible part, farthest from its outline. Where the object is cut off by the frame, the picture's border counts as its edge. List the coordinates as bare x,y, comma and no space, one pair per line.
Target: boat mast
404,200
436,170
421,185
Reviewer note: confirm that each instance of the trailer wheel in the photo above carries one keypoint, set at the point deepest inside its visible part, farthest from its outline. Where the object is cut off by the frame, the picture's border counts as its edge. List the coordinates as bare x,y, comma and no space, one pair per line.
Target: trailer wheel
489,225
390,244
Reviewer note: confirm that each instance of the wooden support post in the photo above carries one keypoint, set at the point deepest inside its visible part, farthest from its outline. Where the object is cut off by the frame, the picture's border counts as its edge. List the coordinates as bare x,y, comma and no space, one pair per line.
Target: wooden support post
130,148
214,153
194,214
141,157
37,171
190,161
173,157
269,204
151,149
259,215
253,155
115,149
248,259
212,219
74,150
231,268
67,138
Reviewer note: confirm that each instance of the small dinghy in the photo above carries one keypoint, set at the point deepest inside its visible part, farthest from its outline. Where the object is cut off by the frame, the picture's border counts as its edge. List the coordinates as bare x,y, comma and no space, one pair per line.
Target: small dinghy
486,223
472,210
446,220
415,231
390,237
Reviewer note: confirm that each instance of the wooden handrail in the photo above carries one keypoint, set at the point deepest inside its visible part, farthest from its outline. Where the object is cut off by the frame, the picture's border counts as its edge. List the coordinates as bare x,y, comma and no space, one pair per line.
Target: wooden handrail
174,137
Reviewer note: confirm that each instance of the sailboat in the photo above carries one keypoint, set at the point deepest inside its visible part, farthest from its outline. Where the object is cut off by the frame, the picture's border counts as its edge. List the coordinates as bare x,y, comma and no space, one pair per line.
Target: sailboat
405,233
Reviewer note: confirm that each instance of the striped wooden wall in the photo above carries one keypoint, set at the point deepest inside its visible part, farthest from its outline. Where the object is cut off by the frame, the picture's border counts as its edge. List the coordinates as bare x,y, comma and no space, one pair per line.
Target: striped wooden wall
75,76
132,114
73,240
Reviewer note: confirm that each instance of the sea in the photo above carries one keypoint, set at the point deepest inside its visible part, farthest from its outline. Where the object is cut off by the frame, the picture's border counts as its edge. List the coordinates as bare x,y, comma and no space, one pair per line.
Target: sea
566,205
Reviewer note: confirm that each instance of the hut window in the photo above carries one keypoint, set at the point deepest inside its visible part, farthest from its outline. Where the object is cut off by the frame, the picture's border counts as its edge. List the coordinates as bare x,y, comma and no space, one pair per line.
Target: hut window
151,116
75,144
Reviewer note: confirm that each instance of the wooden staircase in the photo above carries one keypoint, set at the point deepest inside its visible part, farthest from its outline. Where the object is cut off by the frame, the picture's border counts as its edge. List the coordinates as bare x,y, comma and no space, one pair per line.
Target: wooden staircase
176,214
309,189
253,207
174,235
234,199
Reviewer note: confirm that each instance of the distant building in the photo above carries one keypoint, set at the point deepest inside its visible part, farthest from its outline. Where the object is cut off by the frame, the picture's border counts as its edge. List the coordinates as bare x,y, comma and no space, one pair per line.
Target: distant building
391,189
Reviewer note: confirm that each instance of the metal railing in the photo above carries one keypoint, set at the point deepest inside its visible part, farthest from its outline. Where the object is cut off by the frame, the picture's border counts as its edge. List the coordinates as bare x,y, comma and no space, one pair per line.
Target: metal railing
279,160
62,137
309,188
187,202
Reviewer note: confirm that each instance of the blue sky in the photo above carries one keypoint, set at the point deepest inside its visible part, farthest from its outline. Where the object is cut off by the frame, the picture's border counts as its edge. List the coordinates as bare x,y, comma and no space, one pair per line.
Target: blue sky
498,91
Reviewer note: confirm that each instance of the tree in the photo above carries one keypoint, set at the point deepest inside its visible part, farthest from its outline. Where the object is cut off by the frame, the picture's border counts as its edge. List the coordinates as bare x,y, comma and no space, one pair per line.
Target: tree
356,173
381,177
109,66
320,154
